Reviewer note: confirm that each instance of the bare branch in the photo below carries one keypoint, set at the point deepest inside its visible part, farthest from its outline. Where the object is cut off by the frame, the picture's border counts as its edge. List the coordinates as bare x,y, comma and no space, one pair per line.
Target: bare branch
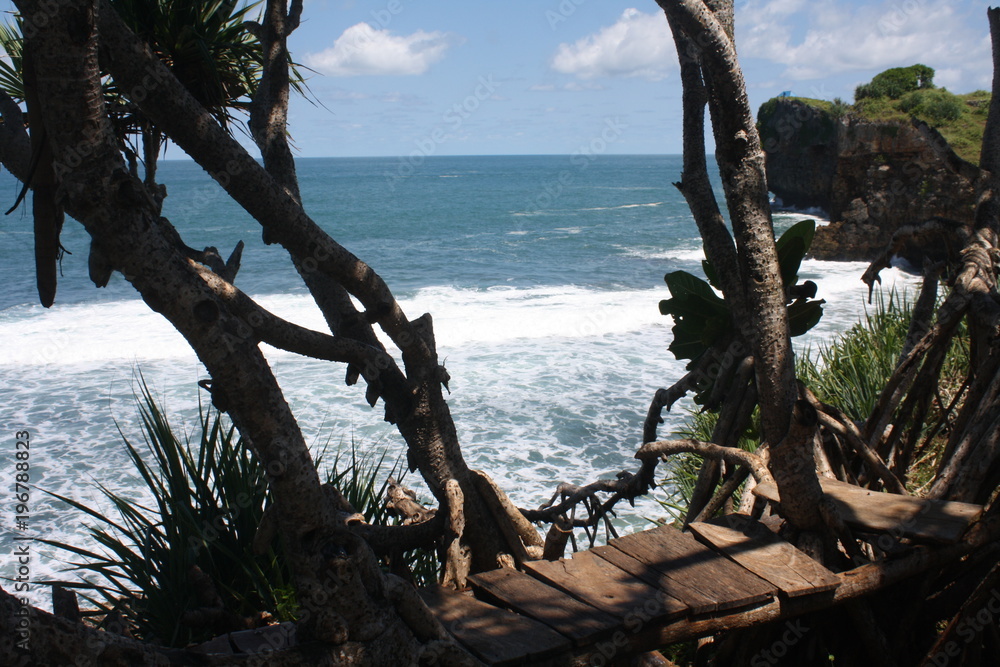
626,487
934,233
834,419
457,560
263,326
662,449
402,502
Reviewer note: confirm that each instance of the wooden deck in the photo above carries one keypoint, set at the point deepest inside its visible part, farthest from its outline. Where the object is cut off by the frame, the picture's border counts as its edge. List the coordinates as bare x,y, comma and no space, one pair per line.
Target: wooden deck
633,594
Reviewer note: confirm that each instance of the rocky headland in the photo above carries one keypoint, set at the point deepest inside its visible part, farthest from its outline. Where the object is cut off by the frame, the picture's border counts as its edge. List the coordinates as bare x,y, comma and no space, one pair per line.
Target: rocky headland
871,176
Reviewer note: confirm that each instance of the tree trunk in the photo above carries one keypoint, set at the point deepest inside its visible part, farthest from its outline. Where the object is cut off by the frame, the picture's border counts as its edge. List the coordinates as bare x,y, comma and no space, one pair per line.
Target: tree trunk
413,399
343,595
760,291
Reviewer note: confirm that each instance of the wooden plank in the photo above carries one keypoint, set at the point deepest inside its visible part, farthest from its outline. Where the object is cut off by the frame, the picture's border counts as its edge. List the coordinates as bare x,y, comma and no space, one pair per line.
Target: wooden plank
495,636
905,516
680,557
566,615
755,547
695,601
593,580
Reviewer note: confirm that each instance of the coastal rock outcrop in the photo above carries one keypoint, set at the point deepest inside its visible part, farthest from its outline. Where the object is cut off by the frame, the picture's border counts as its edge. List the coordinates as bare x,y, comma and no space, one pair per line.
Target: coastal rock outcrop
871,176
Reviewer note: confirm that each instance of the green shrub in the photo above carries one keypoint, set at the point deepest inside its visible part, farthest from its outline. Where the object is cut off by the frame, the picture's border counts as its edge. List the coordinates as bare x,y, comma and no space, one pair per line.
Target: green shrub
851,371
879,109
208,495
934,106
896,82
683,470
839,108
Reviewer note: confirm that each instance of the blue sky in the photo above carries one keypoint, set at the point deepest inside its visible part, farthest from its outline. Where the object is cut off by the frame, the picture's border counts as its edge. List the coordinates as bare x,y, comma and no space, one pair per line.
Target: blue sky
555,76
451,77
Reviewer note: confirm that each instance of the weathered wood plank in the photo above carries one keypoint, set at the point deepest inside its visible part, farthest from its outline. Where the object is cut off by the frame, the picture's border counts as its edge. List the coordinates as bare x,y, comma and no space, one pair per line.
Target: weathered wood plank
906,516
495,636
755,547
682,559
526,595
693,599
593,580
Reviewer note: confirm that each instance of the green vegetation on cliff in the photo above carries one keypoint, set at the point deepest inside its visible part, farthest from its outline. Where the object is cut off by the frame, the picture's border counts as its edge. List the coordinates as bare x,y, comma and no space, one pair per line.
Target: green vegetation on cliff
822,130
959,118
896,95
896,82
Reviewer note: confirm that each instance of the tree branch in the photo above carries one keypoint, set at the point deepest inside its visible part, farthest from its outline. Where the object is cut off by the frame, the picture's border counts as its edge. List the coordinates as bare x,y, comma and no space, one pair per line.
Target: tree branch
662,449
168,104
261,325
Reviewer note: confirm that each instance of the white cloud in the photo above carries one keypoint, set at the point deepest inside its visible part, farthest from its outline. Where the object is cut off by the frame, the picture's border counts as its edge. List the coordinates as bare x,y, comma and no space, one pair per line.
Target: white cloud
572,86
346,96
637,45
832,36
364,50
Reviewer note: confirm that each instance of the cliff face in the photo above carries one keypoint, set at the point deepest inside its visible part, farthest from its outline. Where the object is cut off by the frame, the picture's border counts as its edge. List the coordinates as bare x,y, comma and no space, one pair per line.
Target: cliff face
800,145
872,177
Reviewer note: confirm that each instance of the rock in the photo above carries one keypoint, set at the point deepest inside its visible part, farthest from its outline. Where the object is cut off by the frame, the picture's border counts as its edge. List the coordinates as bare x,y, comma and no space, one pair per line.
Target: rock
800,145
872,177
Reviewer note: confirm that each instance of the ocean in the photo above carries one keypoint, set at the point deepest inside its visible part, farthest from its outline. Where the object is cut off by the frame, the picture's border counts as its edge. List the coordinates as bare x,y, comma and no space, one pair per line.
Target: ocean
543,275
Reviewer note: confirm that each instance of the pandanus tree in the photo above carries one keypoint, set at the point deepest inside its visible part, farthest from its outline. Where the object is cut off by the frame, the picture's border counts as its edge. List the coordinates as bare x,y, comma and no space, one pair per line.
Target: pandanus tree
914,623
73,157
69,51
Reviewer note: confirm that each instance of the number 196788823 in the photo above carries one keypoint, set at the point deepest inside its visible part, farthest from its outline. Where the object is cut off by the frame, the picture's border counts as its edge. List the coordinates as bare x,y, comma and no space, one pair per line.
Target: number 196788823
22,541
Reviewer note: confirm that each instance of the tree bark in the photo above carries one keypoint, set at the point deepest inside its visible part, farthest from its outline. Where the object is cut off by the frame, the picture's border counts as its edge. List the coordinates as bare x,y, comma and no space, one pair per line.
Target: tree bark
343,595
413,400
741,165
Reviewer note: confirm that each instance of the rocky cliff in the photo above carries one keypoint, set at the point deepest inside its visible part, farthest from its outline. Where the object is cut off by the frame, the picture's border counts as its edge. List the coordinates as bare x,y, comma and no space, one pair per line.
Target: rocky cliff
872,177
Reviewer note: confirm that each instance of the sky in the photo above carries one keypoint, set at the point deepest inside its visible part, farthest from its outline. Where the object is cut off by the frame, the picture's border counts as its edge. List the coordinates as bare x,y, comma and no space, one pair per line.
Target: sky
475,77
449,77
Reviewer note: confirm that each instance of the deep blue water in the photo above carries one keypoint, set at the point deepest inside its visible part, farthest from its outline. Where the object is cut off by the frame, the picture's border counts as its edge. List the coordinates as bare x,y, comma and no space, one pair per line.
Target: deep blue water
471,222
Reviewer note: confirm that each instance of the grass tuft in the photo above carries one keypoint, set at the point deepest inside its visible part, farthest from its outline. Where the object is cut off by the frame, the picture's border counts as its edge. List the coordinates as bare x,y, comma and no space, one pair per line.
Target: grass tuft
181,568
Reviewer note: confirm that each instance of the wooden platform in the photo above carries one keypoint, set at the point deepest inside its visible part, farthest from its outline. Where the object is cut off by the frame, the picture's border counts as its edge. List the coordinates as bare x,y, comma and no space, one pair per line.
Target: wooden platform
603,600
937,521
643,590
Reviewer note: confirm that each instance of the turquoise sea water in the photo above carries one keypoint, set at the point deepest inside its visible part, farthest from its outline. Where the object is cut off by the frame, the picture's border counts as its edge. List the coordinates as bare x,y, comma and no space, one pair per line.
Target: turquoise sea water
543,275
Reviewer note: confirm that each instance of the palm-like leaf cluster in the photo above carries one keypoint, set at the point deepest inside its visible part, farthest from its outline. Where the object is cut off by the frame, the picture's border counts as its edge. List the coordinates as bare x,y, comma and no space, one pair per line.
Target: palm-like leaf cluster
207,500
207,44
10,67
188,555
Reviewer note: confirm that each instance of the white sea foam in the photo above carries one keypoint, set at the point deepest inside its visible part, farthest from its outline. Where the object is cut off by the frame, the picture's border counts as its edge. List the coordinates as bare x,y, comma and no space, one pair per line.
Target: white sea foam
548,383
623,206
500,314
693,254
87,333
846,296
